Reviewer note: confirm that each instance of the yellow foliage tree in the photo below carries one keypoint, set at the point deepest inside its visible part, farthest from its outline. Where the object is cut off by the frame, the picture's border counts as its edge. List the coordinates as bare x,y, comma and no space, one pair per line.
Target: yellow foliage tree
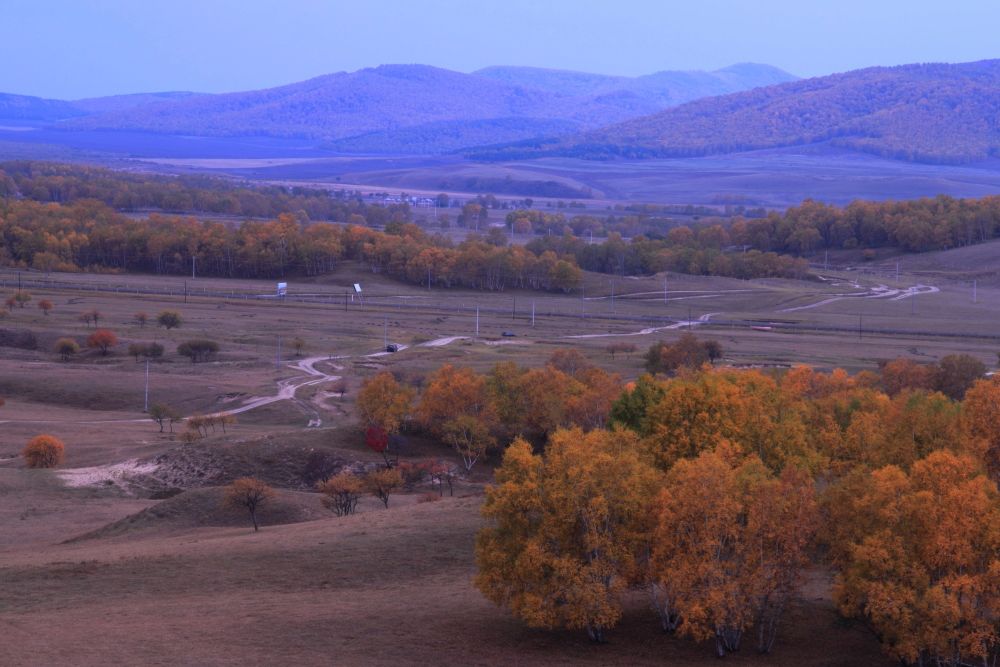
384,403
567,530
730,541
920,561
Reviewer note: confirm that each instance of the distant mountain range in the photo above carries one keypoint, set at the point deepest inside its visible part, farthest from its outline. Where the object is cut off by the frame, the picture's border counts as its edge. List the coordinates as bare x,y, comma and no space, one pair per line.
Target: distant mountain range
933,113
402,108
937,113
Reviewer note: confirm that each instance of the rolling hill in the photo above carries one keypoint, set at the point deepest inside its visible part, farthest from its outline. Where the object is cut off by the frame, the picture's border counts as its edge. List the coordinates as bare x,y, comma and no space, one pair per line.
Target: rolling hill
933,113
93,105
36,109
426,109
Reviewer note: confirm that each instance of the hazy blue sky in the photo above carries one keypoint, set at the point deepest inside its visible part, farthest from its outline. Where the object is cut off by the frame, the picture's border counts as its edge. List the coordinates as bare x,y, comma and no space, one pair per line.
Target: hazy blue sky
77,48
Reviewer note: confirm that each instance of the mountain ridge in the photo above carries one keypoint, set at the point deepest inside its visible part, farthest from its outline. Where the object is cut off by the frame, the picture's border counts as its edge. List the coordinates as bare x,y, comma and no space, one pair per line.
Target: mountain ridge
935,112
379,103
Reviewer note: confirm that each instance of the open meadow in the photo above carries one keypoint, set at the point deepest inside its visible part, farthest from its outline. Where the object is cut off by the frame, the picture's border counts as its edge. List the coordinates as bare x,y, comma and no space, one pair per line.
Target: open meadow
124,555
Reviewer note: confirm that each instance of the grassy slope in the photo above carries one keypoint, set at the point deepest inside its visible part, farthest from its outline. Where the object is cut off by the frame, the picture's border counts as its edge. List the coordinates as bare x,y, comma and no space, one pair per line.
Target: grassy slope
377,588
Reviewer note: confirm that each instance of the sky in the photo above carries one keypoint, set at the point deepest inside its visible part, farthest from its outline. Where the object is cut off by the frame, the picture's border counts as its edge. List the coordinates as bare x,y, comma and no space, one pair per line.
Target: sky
70,49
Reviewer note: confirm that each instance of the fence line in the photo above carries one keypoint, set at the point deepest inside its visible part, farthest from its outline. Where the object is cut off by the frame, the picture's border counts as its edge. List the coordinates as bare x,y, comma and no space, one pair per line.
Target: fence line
379,303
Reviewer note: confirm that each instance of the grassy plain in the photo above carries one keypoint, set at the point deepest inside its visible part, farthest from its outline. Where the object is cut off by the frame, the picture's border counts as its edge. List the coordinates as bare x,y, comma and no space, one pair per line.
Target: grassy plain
123,556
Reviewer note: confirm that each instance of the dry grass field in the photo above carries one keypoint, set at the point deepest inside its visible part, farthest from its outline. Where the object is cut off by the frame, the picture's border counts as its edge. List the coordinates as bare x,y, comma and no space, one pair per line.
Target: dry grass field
123,555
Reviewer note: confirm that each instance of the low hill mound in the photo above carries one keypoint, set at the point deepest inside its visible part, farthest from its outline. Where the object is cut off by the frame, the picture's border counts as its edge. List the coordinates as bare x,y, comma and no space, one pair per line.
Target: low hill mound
201,508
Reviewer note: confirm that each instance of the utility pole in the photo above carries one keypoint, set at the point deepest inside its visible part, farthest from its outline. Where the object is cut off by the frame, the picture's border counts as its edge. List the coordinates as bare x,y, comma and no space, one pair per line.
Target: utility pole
428,279
826,258
612,296
532,312
664,291
277,355
385,332
185,291
192,267
859,325
145,402
477,321
689,317
974,285
513,310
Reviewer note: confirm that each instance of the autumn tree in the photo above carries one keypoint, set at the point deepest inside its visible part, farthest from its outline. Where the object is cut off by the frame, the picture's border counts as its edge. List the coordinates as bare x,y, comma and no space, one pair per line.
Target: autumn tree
22,299
469,436
382,482
198,349
620,348
45,306
746,409
566,530
248,493
981,421
141,318
377,440
901,373
163,414
956,373
920,564
730,541
66,348
570,361
102,339
686,352
147,350
169,319
456,407
383,405
299,345
44,451
342,492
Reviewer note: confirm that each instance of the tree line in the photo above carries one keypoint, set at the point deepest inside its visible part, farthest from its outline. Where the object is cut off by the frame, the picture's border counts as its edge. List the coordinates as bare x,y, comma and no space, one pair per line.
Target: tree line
88,235
51,182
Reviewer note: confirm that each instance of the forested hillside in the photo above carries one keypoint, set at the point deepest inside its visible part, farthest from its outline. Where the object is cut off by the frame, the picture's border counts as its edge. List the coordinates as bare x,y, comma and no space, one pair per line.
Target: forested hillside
935,112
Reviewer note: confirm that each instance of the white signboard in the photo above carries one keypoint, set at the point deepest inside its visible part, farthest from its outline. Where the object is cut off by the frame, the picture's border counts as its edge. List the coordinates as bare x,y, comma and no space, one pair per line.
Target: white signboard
282,289
357,287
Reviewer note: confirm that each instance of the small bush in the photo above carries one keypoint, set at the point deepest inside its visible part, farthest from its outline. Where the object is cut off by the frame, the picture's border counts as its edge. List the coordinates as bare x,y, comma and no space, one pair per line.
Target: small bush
44,451
429,497
341,493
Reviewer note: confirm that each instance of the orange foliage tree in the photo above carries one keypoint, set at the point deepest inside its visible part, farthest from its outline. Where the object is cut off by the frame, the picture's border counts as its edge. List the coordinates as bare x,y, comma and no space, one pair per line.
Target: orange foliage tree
383,406
566,530
456,406
102,339
730,541
919,560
